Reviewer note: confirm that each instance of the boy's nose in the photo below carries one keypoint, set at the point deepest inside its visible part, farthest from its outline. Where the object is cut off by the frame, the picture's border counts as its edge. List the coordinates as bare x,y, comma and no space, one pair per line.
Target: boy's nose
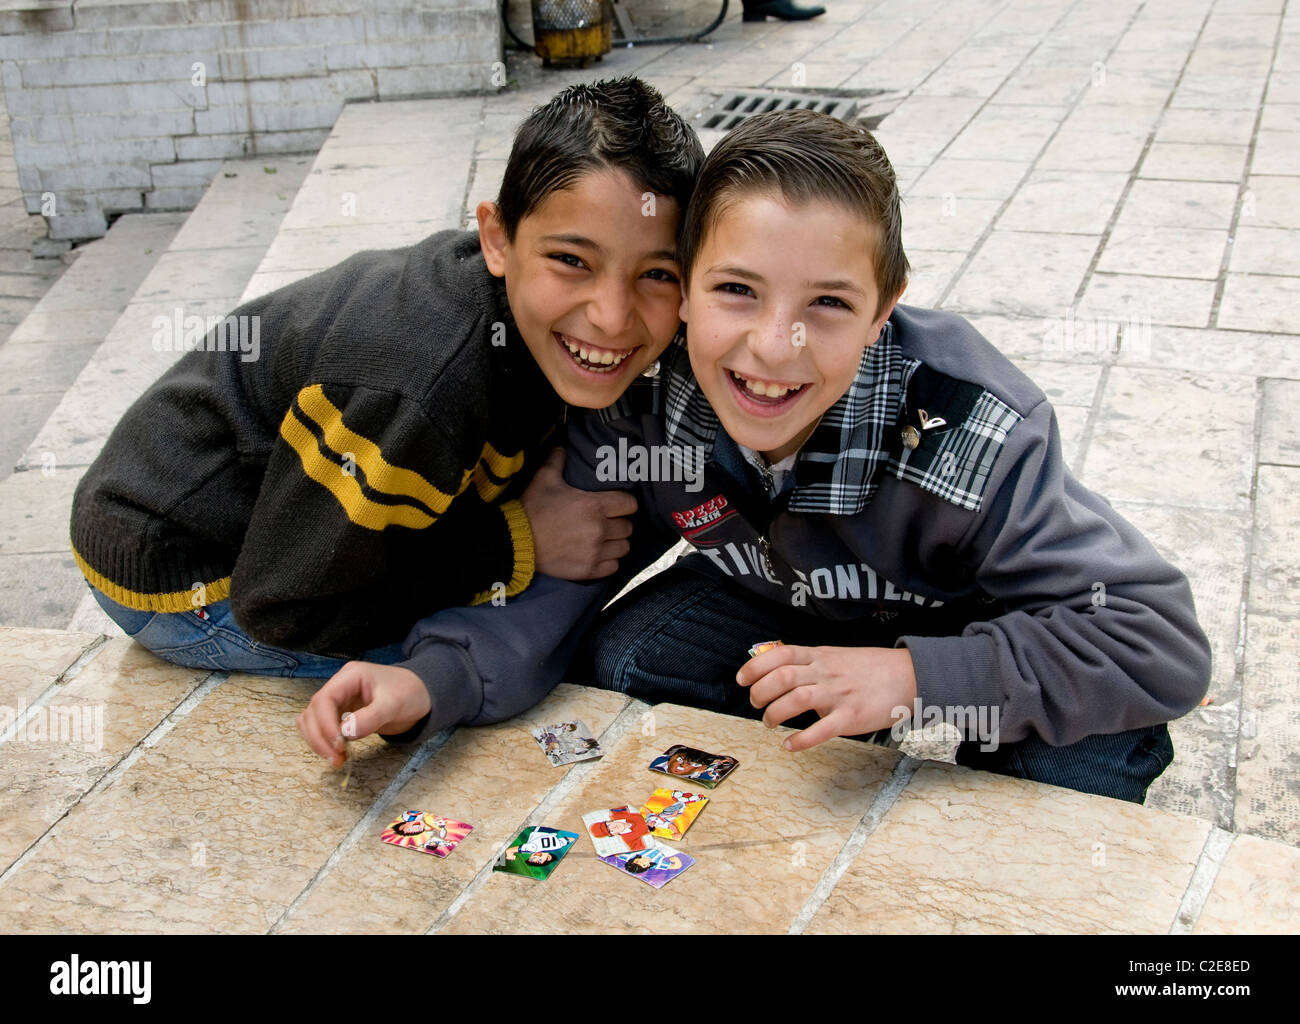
776,338
610,312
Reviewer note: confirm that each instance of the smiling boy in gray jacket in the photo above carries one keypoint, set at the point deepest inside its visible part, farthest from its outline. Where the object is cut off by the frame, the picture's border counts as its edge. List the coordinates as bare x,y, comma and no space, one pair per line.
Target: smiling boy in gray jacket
874,485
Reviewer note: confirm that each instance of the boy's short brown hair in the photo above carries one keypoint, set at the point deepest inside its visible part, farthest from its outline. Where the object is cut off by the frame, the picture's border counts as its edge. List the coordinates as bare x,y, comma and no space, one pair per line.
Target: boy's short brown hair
619,123
802,156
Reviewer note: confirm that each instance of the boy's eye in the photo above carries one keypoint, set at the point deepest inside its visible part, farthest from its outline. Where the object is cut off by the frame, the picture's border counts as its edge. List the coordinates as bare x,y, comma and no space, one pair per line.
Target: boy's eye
660,274
568,259
735,288
832,302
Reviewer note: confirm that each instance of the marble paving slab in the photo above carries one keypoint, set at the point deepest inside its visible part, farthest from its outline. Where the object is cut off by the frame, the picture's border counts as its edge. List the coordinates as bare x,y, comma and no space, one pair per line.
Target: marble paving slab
761,844
216,828
965,851
1257,891
491,777
77,735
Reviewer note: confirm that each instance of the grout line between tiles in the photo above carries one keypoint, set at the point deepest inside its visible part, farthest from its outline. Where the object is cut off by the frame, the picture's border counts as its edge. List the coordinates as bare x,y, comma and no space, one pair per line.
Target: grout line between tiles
365,825
880,806
150,739
621,725
62,680
1202,881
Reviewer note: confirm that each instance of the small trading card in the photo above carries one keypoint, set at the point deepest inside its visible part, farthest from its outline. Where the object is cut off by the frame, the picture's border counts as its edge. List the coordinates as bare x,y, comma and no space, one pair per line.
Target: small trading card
688,763
669,812
427,833
617,830
655,865
766,645
536,851
567,742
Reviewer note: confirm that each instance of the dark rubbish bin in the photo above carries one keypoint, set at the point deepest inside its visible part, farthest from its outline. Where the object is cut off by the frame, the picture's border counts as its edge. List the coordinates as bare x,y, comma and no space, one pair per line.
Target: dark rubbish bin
571,31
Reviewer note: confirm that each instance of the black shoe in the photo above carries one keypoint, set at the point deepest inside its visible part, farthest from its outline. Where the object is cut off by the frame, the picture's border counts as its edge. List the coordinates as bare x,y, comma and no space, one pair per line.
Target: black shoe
786,10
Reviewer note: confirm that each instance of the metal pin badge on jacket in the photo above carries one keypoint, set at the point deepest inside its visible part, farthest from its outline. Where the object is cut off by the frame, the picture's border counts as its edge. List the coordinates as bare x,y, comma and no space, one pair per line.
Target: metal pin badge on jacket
652,370
929,422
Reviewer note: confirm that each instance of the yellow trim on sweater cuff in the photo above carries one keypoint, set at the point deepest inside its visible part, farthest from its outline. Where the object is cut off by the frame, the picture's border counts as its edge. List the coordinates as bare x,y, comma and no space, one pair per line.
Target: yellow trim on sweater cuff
175,601
521,536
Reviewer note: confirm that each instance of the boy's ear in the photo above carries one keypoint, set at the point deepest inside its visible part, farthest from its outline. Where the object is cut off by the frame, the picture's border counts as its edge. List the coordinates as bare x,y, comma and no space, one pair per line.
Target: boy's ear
681,310
492,237
883,313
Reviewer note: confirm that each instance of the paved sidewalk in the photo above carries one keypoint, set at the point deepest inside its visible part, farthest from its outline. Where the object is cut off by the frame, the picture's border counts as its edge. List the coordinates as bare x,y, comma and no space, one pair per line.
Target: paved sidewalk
1109,191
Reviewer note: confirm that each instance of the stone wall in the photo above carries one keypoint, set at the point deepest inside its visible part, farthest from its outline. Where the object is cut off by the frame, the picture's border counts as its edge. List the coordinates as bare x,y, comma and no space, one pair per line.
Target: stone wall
121,105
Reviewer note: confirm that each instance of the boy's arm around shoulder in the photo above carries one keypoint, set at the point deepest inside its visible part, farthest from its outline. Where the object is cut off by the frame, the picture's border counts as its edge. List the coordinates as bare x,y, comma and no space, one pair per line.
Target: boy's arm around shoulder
1100,633
490,662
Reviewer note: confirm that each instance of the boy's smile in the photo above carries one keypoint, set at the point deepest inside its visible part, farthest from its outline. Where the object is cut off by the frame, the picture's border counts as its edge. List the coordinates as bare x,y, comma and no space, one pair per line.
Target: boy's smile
592,283
781,305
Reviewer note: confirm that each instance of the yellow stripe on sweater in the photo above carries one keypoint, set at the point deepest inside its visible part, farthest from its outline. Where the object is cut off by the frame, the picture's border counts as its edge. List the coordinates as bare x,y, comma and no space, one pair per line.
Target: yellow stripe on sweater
381,474
171,601
361,510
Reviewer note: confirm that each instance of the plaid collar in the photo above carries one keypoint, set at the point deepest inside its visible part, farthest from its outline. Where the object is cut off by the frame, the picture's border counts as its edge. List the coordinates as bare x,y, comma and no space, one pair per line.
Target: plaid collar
838,464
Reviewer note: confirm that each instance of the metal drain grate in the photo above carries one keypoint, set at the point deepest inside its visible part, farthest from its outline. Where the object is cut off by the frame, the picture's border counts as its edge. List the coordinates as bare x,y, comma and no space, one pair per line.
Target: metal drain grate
733,107
866,107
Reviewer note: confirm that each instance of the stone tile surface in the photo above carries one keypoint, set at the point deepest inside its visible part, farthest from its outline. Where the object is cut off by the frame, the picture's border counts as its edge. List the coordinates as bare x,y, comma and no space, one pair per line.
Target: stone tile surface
32,659
1180,301
197,826
1138,448
78,734
1164,252
1279,427
1077,202
1257,891
1275,557
1268,801
1255,302
965,851
34,509
492,777
753,871
1023,273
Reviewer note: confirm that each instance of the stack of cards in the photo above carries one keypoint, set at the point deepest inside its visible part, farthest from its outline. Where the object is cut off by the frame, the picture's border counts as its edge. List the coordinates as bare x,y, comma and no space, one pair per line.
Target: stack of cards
623,841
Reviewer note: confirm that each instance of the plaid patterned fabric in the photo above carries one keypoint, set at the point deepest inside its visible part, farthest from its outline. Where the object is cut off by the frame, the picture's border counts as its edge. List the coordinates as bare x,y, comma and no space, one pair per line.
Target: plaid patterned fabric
958,468
858,437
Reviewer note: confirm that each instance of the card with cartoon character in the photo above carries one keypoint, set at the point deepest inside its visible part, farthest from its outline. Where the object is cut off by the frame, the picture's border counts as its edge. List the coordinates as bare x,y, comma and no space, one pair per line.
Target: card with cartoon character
688,763
536,851
670,812
567,742
427,833
617,830
655,865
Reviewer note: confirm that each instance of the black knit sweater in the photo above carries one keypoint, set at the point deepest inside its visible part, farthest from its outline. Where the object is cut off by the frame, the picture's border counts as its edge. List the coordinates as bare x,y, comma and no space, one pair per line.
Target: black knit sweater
358,475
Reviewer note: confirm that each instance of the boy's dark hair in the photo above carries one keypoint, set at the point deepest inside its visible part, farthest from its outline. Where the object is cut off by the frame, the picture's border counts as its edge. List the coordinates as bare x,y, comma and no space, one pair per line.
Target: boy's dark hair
802,155
618,122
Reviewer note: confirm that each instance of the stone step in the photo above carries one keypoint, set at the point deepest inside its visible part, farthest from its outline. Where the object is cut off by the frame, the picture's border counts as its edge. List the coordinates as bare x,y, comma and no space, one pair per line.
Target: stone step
131,105
103,744
105,309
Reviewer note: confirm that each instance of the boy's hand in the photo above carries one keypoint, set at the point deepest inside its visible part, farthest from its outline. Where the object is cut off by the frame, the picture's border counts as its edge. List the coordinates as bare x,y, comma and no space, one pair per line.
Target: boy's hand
383,698
854,689
577,535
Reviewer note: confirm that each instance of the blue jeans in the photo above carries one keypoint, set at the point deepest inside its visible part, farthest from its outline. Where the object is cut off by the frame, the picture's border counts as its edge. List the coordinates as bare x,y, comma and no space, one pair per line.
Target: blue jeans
209,638
681,636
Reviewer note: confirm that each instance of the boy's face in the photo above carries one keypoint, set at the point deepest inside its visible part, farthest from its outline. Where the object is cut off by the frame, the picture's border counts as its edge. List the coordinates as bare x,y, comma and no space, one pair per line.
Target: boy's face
781,305
592,282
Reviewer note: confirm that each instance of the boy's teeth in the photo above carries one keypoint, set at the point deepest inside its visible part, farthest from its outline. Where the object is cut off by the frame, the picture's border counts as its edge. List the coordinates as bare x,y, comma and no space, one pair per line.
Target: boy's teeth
758,387
602,358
